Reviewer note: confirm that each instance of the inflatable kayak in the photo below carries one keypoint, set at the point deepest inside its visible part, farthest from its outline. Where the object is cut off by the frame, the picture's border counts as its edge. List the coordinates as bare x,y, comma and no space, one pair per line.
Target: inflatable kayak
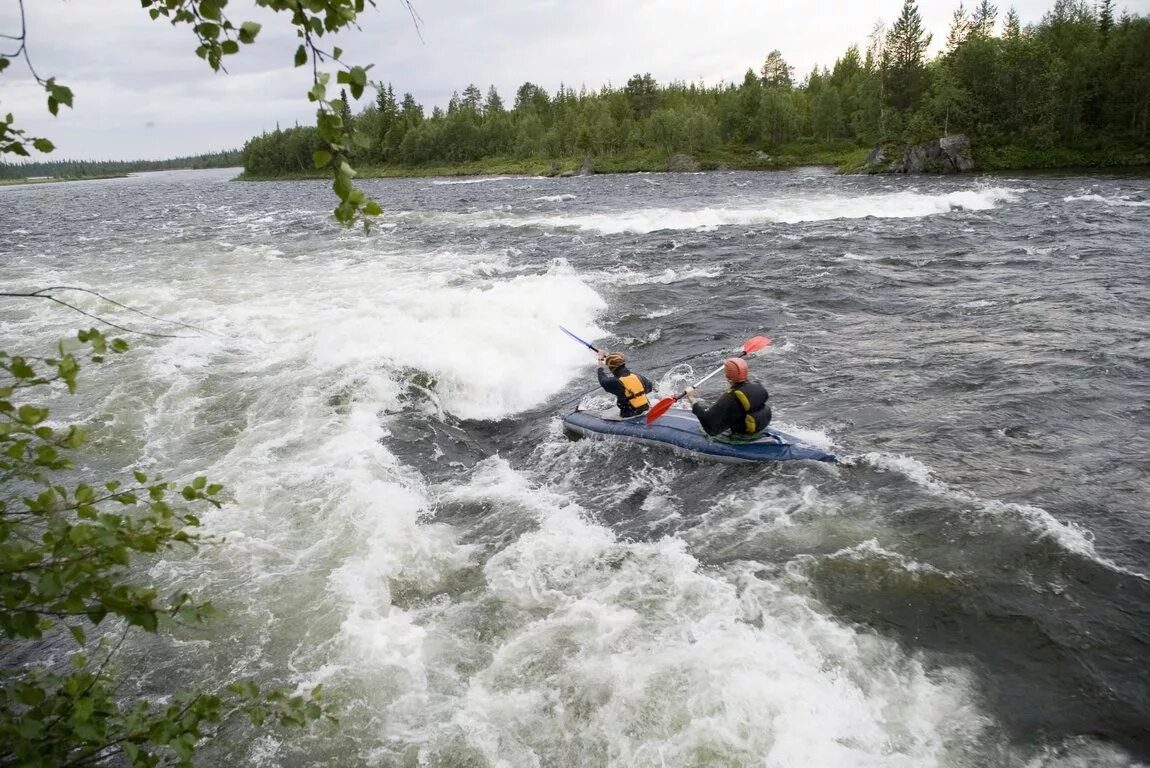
680,430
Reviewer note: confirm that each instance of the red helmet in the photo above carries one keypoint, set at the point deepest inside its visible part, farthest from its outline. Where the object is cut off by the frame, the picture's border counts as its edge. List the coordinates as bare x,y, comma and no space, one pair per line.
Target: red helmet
735,369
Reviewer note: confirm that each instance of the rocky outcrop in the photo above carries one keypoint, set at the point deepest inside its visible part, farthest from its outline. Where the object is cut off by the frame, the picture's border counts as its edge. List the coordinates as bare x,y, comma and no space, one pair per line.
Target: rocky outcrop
950,154
683,164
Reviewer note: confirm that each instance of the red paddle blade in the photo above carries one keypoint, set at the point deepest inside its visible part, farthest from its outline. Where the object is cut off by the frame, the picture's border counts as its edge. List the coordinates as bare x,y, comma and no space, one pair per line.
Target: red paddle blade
754,345
660,408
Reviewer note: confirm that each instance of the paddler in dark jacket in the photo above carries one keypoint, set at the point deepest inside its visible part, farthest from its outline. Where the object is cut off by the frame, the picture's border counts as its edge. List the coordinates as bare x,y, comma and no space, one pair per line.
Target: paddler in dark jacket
629,389
742,409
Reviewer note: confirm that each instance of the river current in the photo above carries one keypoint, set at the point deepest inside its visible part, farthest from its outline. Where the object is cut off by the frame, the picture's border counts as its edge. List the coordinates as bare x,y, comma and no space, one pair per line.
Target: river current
408,525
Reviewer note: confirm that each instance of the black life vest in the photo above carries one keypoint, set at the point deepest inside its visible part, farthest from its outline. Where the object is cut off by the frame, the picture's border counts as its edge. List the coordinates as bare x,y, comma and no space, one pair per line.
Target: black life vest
753,397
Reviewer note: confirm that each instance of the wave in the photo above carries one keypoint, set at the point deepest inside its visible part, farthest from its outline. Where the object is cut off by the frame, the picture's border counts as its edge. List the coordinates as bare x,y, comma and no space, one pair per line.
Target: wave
1114,201
555,198
1070,536
782,210
481,180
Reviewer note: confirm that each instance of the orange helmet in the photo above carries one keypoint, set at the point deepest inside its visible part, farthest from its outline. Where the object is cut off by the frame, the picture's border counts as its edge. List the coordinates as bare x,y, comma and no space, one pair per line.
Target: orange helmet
615,360
735,369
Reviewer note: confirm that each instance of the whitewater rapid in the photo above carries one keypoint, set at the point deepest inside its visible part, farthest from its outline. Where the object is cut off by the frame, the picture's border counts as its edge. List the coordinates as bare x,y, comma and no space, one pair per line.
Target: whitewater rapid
484,609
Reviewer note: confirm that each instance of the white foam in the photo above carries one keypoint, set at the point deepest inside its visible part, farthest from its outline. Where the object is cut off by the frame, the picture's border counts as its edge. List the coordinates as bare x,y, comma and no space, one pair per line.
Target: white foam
784,210
481,180
871,550
1113,201
633,648
1069,535
555,198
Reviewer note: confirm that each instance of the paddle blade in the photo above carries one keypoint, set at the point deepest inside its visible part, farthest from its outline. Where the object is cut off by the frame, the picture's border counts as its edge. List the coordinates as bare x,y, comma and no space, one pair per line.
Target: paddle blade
584,343
660,408
754,345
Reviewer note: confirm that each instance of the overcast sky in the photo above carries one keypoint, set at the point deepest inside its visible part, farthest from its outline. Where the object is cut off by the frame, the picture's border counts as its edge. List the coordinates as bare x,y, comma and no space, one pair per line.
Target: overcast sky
140,91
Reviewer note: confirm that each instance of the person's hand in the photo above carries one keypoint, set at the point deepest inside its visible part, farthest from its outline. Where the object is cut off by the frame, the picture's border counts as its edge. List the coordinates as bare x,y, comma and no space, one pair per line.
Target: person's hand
602,358
689,393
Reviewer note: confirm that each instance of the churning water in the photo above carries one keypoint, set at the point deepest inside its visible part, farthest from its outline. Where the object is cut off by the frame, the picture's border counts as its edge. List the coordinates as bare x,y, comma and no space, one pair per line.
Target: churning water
408,525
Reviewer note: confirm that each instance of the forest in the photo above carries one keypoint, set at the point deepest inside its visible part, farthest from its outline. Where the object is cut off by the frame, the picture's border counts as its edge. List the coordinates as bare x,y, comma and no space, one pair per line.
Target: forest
87,169
1071,89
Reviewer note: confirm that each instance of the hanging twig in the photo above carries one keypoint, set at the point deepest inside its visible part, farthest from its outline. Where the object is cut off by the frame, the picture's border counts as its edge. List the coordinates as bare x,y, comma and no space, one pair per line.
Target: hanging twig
41,295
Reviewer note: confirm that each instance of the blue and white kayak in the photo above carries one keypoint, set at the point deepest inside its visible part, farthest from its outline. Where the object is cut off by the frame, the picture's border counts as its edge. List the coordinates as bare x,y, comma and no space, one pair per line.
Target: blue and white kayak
680,430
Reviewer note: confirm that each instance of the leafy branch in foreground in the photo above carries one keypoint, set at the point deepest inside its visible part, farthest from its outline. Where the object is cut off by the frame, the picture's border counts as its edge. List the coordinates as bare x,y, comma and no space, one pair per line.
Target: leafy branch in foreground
69,561
312,19
219,37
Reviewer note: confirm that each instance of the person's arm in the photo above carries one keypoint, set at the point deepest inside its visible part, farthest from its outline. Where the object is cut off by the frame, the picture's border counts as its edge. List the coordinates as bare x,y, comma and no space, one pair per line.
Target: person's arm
609,382
647,385
717,418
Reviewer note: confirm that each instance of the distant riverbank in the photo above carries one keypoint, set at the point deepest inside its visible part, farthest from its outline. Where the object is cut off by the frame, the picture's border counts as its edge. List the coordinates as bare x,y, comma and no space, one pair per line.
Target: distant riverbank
54,180
844,158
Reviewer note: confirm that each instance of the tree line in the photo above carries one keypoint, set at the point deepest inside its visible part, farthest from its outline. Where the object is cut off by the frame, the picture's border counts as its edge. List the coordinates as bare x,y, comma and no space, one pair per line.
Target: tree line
1080,77
79,169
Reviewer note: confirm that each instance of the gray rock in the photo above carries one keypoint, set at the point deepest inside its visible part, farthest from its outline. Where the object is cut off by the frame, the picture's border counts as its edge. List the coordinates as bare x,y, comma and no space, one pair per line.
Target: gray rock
956,148
950,154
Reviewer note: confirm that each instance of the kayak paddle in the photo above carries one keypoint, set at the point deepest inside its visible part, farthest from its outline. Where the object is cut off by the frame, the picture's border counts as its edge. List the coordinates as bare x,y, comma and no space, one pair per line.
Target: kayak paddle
593,349
749,347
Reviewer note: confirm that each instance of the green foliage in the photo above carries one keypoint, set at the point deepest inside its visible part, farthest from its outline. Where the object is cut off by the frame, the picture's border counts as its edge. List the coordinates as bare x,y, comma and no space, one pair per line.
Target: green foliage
219,37
69,552
1075,79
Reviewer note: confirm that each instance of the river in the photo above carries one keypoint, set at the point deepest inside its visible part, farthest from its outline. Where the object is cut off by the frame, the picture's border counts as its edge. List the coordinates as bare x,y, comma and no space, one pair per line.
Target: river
408,525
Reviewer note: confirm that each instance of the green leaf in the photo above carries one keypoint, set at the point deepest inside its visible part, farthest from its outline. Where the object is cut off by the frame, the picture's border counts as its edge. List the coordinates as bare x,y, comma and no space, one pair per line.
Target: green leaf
61,93
210,10
371,208
321,158
229,47
248,31
43,145
199,483
31,415
300,56
4,65
78,633
21,369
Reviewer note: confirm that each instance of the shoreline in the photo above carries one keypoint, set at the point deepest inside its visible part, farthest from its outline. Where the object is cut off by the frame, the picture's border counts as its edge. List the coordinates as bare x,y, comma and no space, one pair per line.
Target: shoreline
1135,162
55,180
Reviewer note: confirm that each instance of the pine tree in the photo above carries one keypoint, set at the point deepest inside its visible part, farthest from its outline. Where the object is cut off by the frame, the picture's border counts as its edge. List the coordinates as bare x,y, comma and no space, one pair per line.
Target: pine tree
906,45
345,110
494,104
776,72
472,98
982,23
1012,26
959,29
1105,17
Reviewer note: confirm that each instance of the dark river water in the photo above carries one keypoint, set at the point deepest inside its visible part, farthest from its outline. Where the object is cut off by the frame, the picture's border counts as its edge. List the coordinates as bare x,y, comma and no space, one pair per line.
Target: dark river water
408,525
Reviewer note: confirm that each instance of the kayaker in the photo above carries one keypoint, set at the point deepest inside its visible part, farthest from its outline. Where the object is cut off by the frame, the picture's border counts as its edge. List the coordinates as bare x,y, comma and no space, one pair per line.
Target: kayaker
630,389
742,409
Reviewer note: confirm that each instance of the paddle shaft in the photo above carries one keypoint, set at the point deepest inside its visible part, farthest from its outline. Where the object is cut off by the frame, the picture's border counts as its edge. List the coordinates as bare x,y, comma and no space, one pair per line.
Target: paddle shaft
661,407
584,343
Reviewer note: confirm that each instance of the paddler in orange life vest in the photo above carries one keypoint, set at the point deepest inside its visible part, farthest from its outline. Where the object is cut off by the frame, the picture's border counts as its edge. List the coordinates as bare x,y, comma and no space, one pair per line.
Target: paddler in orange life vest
630,389
742,409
